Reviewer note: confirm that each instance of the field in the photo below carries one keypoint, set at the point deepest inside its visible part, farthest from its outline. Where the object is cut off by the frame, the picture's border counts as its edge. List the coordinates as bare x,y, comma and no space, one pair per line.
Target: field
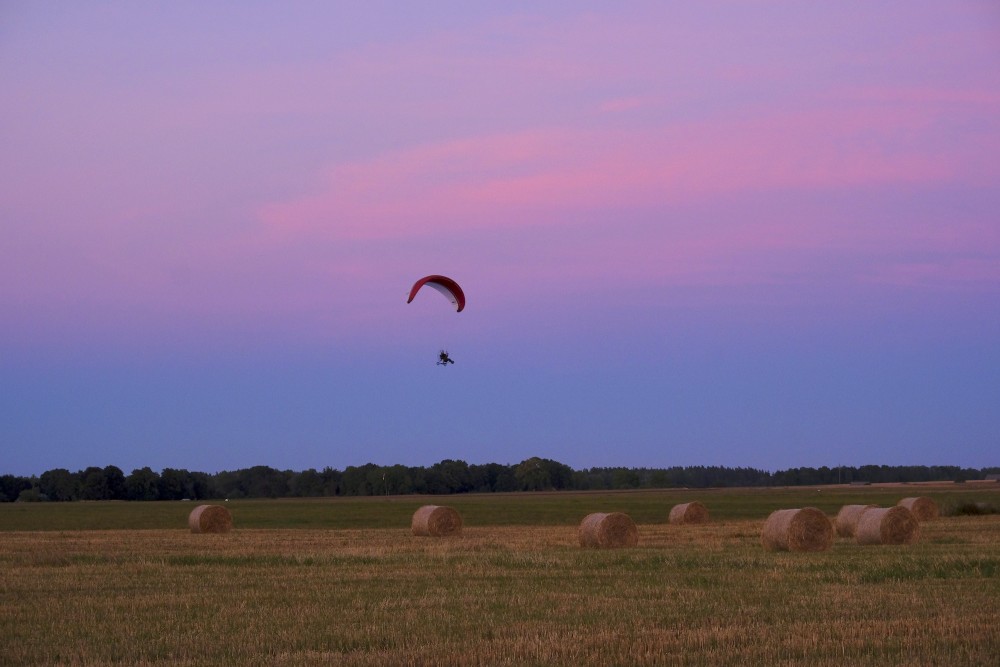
342,581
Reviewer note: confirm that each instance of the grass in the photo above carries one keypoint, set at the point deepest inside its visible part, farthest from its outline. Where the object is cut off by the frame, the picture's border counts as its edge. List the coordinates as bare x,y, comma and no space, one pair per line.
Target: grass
515,589
499,509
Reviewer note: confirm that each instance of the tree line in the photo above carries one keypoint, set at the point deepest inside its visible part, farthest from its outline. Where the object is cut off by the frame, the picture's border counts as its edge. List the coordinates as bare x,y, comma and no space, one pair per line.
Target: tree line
446,477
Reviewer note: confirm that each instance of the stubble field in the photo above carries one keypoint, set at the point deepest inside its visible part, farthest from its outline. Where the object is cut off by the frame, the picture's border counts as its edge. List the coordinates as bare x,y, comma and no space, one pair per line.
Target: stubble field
342,581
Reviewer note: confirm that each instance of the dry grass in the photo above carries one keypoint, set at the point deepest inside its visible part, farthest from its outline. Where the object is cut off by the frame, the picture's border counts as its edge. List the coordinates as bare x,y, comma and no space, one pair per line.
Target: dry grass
924,509
499,596
806,529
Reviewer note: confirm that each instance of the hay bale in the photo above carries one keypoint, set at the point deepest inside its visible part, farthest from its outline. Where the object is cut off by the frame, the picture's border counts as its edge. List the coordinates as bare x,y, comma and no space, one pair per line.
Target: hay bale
693,512
846,522
888,525
210,519
924,509
436,521
608,530
806,529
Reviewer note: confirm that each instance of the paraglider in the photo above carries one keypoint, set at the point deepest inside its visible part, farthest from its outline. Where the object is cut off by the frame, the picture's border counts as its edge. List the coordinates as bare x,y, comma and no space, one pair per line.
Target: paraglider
451,291
442,284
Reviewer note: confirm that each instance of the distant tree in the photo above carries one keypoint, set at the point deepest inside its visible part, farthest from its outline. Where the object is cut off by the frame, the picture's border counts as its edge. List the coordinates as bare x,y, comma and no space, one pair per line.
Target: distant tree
505,479
538,474
531,475
59,484
331,481
263,482
142,484
560,474
102,483
93,484
625,478
594,479
492,477
418,477
31,495
175,484
226,484
203,486
307,483
397,480
355,481
659,479
581,481
447,476
375,480
114,480
12,486
450,476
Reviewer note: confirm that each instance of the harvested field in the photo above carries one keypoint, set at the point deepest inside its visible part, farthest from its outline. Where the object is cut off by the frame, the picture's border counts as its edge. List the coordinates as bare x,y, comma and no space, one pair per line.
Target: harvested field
507,509
501,595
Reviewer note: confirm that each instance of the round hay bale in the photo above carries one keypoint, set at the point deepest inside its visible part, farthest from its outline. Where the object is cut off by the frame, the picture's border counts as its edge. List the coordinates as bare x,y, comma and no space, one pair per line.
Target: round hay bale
888,525
846,522
608,530
210,519
806,529
693,512
436,521
924,509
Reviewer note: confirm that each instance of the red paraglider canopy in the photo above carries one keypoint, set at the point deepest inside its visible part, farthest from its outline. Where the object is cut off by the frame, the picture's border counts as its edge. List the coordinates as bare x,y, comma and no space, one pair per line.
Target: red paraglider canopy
442,284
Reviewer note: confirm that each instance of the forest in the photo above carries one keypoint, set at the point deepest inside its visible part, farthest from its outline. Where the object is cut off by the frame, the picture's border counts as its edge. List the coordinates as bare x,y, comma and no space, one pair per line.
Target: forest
445,477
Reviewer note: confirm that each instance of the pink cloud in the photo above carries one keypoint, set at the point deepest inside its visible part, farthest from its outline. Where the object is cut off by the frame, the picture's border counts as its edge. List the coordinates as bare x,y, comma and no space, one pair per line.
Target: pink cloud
518,178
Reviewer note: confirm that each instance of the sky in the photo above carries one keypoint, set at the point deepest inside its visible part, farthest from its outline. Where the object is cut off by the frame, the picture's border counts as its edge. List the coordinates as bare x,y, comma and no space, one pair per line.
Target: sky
760,234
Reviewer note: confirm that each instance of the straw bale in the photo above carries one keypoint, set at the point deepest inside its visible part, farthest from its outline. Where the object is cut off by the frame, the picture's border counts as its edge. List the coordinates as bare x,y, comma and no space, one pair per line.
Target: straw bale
806,529
608,530
210,519
888,525
924,509
693,512
846,522
436,521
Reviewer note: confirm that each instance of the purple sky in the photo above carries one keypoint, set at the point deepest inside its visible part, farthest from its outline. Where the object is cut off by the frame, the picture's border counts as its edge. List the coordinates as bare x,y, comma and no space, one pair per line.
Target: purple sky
722,233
